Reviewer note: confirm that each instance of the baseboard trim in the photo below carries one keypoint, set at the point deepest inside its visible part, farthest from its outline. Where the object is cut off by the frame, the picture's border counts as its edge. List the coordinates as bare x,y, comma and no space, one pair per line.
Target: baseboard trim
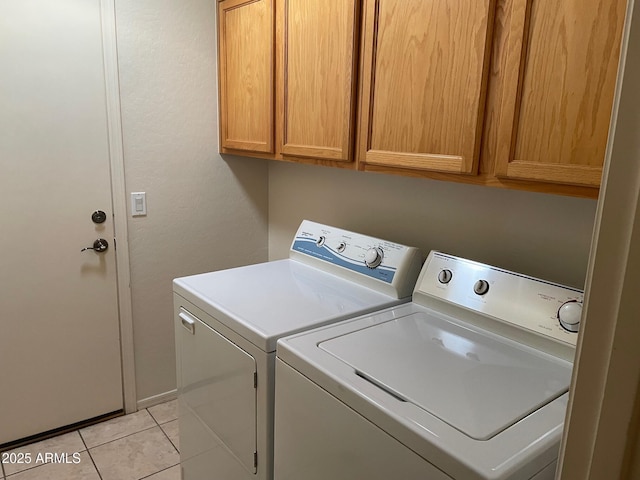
156,399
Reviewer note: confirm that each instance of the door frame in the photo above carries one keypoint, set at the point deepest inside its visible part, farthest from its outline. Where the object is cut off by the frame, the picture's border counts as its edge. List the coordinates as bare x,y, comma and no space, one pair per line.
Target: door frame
602,434
119,203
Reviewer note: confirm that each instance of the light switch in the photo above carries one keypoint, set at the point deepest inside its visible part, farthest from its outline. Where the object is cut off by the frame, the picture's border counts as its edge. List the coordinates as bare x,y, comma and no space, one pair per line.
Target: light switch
138,204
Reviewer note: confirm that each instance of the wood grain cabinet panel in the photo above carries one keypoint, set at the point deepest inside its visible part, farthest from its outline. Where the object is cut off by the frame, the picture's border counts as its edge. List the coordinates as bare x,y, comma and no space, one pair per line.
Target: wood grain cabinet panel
425,68
561,66
316,78
246,66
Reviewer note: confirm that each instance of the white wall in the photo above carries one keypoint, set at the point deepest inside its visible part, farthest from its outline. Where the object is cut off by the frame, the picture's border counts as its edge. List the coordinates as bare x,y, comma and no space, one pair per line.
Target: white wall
543,235
204,212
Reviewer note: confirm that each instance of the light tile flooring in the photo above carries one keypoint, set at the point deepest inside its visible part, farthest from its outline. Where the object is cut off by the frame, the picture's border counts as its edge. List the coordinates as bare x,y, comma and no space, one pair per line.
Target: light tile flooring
143,445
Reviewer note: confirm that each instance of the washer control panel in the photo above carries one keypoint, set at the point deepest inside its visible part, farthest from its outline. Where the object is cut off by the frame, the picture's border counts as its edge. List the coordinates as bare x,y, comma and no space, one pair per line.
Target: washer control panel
366,256
529,303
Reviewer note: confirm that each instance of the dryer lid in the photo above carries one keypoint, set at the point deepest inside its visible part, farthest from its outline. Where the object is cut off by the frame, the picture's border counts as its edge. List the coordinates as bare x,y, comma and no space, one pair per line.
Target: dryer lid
475,381
266,301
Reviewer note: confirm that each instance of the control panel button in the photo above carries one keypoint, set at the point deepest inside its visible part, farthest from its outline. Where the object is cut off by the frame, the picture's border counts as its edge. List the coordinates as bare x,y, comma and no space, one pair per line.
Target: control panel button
481,287
341,247
373,257
569,315
321,240
445,276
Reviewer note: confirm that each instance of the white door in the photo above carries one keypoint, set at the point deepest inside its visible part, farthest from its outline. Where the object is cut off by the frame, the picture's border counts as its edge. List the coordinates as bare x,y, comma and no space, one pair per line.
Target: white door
59,333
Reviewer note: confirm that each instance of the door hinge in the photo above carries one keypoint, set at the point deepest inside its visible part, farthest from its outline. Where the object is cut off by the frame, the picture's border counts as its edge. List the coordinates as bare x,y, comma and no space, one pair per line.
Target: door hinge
255,459
255,379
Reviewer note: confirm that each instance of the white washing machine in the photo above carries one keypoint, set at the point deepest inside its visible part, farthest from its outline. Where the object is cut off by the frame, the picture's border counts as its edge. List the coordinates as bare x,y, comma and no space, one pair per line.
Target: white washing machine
227,324
468,382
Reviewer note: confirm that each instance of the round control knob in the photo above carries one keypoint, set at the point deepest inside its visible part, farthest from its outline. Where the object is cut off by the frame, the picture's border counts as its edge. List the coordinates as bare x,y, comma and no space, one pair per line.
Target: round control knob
481,287
445,276
321,240
569,315
373,257
341,247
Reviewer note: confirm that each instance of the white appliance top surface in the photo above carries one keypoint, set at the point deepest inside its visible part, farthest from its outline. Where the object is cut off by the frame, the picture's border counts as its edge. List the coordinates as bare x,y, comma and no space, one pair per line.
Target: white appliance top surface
440,385
474,381
266,301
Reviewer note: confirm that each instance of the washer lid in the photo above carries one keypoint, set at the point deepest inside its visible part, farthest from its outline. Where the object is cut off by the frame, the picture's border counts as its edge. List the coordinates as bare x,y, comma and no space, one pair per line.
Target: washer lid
477,382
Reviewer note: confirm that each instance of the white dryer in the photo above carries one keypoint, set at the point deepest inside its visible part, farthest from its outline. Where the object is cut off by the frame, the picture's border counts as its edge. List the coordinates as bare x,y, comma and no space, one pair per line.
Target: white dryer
227,324
468,382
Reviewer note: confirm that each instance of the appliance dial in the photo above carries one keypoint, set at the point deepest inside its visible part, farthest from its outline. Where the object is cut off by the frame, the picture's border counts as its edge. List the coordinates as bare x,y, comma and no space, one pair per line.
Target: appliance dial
445,276
481,287
321,240
373,257
569,315
341,247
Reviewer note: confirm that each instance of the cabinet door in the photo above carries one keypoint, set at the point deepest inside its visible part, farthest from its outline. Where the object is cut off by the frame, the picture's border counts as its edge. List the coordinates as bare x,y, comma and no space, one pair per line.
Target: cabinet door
560,72
318,42
245,34
424,81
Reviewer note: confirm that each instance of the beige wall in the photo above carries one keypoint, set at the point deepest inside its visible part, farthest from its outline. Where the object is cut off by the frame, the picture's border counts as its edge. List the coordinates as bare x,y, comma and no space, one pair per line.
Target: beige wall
204,212
547,236
207,213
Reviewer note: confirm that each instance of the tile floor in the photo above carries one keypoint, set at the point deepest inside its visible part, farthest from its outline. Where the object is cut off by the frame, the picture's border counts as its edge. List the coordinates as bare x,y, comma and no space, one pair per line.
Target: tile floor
142,445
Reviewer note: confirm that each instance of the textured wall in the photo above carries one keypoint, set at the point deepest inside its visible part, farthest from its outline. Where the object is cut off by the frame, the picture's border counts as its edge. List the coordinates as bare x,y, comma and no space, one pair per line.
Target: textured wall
547,236
204,212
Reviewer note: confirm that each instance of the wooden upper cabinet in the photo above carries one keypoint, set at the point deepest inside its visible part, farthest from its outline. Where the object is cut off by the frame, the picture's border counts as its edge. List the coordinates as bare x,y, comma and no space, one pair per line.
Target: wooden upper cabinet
318,44
561,62
425,68
246,71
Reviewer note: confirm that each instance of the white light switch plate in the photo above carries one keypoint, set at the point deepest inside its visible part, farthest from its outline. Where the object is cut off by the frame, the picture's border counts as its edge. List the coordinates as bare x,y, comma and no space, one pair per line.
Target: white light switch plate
138,204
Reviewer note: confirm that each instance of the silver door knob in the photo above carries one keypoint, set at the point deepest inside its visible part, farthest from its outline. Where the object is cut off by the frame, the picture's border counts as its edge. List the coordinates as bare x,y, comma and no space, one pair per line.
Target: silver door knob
100,245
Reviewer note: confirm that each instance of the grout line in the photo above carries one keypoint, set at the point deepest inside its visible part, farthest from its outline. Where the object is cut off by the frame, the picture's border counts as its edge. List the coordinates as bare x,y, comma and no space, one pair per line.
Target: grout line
157,425
163,432
151,414
162,429
90,456
170,441
88,450
125,436
94,464
82,440
165,422
36,465
30,467
155,473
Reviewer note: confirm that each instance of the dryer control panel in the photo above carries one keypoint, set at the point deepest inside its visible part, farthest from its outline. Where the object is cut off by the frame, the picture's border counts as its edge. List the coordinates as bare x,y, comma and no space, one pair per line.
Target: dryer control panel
545,308
368,260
